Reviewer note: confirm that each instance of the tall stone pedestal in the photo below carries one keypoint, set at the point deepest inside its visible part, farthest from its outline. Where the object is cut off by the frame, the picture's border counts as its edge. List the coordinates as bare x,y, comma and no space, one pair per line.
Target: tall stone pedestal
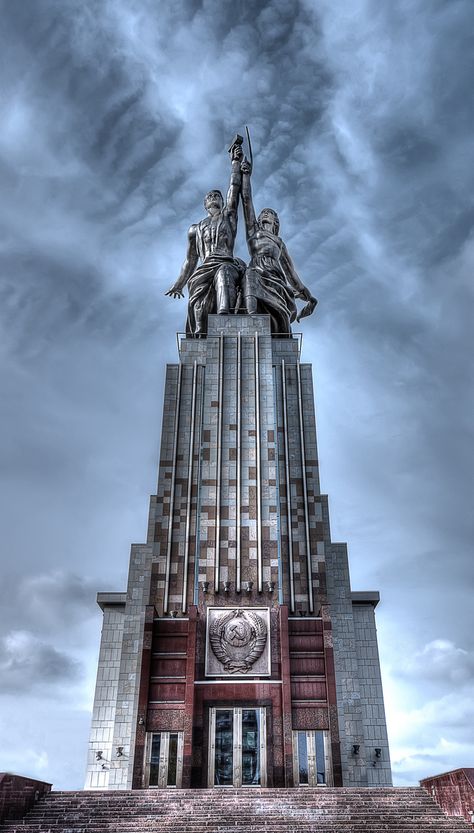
239,654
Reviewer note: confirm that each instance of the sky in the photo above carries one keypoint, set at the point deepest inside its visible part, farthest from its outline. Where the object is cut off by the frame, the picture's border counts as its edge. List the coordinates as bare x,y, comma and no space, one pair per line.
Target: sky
115,118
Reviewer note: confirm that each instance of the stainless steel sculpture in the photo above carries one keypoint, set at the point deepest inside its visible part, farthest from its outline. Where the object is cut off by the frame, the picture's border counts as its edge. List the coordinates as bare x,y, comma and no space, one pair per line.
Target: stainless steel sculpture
213,286
270,283
222,284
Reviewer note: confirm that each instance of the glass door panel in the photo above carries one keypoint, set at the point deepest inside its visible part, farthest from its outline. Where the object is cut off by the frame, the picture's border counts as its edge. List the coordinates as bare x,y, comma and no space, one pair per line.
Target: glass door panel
224,748
165,759
320,757
311,762
155,760
172,760
303,758
237,751
251,747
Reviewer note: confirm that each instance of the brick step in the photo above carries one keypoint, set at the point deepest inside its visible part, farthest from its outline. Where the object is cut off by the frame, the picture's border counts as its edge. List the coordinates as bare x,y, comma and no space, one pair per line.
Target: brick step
245,823
39,813
330,802
225,814
234,805
158,812
281,825
248,810
220,812
37,818
243,818
216,796
316,802
56,795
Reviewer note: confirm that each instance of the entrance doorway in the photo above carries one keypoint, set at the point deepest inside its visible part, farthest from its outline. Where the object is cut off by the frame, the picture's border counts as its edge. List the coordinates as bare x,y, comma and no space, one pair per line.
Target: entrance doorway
311,759
237,747
165,759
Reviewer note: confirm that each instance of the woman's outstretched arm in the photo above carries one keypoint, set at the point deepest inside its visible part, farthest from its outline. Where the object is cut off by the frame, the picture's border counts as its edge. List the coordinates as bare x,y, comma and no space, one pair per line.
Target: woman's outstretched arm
247,202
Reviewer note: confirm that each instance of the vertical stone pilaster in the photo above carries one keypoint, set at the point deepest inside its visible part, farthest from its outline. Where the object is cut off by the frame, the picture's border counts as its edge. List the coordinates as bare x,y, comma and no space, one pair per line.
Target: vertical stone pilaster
332,696
371,692
100,752
189,697
286,697
143,689
125,726
351,729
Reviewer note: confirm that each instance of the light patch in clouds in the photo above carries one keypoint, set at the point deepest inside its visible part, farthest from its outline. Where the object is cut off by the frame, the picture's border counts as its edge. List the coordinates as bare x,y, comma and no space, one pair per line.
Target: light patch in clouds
441,661
441,756
430,703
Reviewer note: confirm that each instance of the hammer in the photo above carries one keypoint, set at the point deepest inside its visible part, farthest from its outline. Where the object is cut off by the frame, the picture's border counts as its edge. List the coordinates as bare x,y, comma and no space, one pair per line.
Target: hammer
236,142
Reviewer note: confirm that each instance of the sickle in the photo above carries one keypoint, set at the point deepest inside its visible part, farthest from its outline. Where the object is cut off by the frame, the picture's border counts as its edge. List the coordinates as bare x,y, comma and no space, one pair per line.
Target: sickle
250,145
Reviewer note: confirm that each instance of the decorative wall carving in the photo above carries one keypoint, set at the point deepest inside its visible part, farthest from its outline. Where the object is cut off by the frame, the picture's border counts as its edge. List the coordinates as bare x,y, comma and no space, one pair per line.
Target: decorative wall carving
238,642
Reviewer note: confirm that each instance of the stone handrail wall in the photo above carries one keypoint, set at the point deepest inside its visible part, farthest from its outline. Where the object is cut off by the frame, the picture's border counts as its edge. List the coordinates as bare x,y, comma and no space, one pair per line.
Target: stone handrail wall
18,794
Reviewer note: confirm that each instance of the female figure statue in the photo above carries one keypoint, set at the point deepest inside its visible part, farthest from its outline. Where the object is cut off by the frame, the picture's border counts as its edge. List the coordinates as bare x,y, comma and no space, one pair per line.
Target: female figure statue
270,284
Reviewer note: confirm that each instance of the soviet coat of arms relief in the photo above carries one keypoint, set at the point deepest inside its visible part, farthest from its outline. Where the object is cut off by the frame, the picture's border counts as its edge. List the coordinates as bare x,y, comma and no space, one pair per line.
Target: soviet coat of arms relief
238,642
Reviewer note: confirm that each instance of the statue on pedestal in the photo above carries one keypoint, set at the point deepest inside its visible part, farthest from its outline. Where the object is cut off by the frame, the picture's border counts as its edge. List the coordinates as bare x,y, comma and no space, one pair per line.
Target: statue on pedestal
222,284
214,285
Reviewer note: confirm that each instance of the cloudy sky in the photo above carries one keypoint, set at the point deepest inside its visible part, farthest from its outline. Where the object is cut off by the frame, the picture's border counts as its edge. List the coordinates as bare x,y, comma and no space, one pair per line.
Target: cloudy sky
115,120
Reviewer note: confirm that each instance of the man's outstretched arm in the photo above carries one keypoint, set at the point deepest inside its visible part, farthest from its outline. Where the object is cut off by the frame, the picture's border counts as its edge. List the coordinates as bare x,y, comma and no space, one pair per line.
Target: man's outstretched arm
235,179
188,267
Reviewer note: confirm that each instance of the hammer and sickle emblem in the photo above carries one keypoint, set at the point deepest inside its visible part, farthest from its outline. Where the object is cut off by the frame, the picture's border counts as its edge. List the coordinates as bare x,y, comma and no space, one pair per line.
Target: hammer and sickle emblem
237,639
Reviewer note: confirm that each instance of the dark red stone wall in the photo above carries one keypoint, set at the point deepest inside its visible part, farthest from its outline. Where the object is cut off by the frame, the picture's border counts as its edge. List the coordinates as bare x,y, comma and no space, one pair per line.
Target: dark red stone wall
18,794
453,791
176,696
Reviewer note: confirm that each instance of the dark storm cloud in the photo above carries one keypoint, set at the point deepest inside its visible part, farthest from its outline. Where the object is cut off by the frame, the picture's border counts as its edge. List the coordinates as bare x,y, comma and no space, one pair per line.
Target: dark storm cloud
115,121
28,665
40,601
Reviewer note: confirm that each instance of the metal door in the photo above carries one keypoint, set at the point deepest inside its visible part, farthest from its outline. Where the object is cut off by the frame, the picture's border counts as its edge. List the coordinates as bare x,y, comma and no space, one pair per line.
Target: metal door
164,759
237,747
311,759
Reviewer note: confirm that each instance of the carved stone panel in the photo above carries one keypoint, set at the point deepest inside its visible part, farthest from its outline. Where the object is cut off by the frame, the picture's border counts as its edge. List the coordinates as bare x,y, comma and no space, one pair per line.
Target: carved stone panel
238,642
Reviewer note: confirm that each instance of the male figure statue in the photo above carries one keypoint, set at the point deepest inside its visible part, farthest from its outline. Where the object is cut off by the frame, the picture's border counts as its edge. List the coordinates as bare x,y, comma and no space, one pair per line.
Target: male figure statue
213,286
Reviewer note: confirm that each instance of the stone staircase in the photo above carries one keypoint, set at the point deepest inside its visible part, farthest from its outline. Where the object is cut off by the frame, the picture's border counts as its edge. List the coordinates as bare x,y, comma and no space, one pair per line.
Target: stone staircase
247,810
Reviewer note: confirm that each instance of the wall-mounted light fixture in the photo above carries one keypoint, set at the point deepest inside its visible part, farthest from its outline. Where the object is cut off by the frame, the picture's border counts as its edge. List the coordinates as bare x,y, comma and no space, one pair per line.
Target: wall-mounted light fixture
119,752
98,755
355,748
205,586
378,752
227,587
248,586
270,586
